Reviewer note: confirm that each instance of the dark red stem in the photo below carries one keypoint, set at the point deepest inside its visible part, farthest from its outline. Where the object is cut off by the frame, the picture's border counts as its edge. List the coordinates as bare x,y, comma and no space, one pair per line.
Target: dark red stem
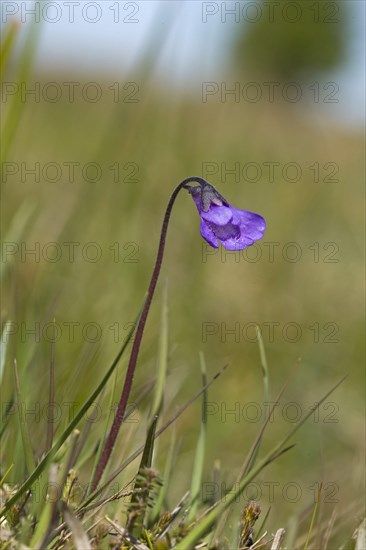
121,410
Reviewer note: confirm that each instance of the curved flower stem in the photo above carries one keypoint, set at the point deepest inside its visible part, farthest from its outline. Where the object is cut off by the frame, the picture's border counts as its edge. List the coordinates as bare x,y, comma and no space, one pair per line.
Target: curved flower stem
118,419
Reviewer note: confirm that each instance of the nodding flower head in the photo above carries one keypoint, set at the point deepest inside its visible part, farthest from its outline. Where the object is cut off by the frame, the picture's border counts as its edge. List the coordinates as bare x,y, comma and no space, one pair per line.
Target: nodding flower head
235,229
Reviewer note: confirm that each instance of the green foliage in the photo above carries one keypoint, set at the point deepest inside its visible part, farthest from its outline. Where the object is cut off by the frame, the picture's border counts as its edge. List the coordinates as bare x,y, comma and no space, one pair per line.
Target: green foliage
294,39
44,477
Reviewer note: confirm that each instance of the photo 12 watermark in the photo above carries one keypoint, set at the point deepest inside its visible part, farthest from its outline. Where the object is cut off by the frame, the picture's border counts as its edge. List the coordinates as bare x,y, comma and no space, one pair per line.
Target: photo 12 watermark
271,252
271,171
253,11
70,92
71,252
271,332
67,331
69,171
71,12
254,412
272,492
270,92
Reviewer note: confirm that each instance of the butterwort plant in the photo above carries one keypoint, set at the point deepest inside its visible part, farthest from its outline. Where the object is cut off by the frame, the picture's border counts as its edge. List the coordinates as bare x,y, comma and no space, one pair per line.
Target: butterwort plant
220,222
235,229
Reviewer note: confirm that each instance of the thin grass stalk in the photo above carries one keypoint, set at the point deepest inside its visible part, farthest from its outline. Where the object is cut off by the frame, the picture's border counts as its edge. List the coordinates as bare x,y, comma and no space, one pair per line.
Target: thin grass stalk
313,516
24,432
200,449
51,393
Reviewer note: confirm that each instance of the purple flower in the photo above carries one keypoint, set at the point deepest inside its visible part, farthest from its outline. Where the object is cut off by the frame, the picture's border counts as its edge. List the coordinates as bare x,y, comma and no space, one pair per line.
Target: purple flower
235,229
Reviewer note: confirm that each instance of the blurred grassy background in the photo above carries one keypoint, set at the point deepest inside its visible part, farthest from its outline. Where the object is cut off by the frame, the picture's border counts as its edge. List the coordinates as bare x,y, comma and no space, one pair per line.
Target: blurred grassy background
169,136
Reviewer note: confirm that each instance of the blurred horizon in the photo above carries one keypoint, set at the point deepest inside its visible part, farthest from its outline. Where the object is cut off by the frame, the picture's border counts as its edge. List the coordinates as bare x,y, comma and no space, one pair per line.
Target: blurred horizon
118,45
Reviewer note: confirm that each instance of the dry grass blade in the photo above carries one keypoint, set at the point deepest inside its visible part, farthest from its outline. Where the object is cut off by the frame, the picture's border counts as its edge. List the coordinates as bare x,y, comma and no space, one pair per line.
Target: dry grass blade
361,536
174,513
276,544
259,543
79,536
126,535
329,529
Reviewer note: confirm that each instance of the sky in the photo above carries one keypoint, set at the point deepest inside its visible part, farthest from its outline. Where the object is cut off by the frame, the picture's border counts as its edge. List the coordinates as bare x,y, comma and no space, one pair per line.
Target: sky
194,39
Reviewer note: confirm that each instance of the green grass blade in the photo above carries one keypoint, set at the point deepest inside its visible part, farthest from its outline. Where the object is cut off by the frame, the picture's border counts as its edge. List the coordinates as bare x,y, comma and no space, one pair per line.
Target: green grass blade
266,396
203,527
200,449
51,487
147,454
23,426
16,106
248,463
206,523
47,509
7,45
51,392
3,347
261,527
306,416
3,479
264,365
314,514
72,425
157,510
140,492
15,232
101,442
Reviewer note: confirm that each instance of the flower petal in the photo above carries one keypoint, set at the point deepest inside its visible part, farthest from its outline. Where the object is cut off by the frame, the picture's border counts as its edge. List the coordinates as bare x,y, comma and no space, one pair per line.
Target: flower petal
218,215
234,228
251,224
251,228
208,235
224,232
237,244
